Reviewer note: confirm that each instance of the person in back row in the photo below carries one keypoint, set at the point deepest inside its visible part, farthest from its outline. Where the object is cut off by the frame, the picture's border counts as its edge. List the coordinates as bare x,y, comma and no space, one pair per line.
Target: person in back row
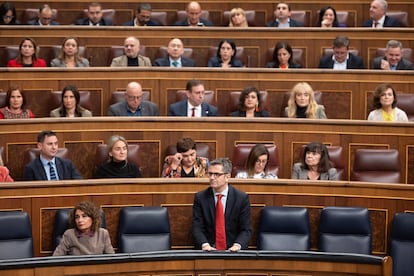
15,107
341,58
45,17
302,103
282,17
378,17
27,56
70,104
393,59
69,55
131,56
194,105
193,19
95,17
143,17
133,105
175,56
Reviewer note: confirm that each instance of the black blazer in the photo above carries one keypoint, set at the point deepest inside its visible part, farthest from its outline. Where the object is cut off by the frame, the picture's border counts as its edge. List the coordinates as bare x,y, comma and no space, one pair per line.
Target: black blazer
149,23
239,113
237,217
65,169
180,109
272,64
165,61
201,20
85,21
402,65
388,22
353,62
216,62
292,23
35,22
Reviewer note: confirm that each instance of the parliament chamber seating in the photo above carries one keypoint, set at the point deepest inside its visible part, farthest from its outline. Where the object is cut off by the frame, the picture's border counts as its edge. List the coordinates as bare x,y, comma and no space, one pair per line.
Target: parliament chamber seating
376,165
160,16
345,18
405,102
101,155
108,14
284,229
182,14
16,240
345,230
250,17
85,101
119,96
240,55
401,16
407,53
302,16
179,95
32,14
299,55
285,101
33,153
143,229
241,153
116,51
202,149
233,104
402,244
163,52
329,51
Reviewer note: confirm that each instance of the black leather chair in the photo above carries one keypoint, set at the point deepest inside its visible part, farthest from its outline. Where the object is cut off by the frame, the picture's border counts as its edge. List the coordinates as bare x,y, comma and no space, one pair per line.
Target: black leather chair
284,229
345,230
16,239
143,229
402,244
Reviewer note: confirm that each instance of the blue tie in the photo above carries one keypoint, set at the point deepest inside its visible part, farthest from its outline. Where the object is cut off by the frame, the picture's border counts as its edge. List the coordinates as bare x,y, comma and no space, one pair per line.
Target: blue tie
52,171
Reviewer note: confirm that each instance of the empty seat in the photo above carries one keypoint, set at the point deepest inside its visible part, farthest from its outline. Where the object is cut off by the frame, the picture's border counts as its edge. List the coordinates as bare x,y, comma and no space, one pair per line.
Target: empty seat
160,17
401,16
301,16
405,102
143,229
376,165
101,154
345,230
240,55
234,97
250,17
284,229
16,239
241,153
402,244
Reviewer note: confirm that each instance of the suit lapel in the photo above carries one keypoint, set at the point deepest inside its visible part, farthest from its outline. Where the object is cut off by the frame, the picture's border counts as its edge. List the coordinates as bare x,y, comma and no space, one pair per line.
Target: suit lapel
41,169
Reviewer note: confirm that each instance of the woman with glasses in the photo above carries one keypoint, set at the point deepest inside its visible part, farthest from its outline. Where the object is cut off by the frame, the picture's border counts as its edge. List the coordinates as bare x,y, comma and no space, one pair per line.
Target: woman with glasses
8,14
257,164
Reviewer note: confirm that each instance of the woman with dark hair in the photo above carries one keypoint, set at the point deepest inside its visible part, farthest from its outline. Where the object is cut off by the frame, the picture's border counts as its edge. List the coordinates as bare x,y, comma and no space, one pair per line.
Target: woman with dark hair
328,18
283,57
69,55
15,105
250,104
117,165
8,14
315,164
86,237
27,56
226,55
70,104
385,103
257,164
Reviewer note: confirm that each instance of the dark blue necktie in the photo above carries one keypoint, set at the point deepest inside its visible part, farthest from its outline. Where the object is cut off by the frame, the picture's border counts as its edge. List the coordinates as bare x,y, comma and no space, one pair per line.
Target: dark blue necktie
52,171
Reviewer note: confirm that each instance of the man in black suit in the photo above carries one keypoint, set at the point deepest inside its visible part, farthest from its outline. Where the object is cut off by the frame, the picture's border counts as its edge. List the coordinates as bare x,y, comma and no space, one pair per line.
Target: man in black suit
44,18
341,57
378,18
237,218
48,166
282,17
193,19
175,57
143,17
393,59
95,17
194,106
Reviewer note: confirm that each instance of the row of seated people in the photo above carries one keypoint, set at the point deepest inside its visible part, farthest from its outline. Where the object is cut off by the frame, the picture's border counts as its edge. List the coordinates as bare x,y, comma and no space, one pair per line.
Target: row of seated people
193,15
341,230
226,54
301,102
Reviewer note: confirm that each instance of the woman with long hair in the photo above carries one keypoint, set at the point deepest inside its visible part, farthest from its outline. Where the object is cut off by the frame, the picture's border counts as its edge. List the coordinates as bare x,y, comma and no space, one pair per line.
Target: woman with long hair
69,55
302,103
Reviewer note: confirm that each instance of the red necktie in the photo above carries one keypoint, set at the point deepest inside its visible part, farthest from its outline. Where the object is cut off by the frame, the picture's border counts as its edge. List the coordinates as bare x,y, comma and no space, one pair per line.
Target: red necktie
220,226
375,24
193,112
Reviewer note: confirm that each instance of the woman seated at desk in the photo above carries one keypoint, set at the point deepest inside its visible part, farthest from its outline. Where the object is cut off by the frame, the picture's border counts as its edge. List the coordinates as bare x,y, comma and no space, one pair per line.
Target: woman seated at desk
302,103
27,56
69,55
70,104
226,55
15,105
250,104
257,164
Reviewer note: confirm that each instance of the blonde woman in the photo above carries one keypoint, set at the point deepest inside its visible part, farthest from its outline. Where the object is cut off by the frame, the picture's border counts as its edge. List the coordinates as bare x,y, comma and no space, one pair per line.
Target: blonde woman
238,18
302,103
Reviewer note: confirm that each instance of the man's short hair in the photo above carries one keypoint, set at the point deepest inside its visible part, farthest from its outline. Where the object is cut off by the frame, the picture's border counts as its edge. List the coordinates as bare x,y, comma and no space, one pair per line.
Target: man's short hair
94,4
225,162
394,44
341,41
144,6
192,83
43,134
283,2
186,144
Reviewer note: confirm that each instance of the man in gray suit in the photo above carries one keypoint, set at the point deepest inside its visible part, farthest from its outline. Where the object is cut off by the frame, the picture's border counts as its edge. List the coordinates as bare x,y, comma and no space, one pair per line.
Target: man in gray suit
133,105
131,56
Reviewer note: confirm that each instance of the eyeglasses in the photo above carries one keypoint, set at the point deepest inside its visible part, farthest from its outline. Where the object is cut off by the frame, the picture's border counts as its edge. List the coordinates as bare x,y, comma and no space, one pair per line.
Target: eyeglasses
132,98
215,175
8,17
258,161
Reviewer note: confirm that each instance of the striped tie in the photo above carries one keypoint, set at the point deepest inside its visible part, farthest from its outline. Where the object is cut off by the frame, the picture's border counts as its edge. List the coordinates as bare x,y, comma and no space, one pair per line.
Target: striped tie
52,171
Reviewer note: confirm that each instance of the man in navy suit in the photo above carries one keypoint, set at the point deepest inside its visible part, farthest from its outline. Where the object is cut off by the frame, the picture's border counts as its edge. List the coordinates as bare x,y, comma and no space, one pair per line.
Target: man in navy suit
143,17
282,17
378,18
193,17
175,57
341,57
48,166
393,59
45,17
194,106
237,217
95,17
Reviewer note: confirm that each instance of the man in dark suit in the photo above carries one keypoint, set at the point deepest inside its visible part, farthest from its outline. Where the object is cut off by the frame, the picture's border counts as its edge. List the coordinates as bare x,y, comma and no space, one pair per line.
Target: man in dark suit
282,17
175,57
341,58
393,59
143,17
194,105
45,17
95,17
378,17
133,105
48,166
193,19
237,217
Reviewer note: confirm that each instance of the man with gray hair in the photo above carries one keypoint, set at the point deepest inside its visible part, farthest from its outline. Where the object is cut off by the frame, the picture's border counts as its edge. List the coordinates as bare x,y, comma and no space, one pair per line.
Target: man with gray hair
378,17
221,213
143,17
393,59
131,56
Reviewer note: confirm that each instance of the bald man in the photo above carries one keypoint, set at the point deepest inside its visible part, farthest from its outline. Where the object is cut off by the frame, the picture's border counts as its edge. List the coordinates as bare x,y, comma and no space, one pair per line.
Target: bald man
175,56
193,19
44,18
131,56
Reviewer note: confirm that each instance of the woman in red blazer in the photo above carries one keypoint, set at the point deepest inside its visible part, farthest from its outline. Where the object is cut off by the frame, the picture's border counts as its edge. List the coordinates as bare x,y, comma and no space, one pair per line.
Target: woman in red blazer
27,56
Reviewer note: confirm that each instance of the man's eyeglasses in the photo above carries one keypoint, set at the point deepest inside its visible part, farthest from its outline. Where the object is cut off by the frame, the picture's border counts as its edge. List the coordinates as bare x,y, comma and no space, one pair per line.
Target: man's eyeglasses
132,98
215,175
